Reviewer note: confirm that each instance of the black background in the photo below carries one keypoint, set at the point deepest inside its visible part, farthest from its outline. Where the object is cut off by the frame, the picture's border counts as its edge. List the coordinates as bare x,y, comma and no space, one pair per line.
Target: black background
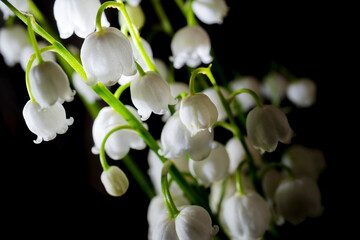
54,188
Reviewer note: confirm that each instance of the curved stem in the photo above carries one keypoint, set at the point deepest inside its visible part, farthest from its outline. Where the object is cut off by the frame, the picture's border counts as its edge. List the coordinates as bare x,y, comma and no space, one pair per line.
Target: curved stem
248,91
28,68
33,40
173,211
225,125
121,89
239,186
103,161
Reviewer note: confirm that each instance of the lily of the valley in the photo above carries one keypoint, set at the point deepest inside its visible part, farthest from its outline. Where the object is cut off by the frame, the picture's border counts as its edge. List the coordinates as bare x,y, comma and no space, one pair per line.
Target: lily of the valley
197,112
191,46
46,123
107,55
210,11
302,92
266,126
151,93
115,181
193,222
50,84
120,142
77,16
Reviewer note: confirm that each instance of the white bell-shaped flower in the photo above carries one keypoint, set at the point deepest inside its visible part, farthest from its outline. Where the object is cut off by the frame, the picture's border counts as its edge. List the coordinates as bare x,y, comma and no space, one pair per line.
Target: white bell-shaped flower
237,153
197,112
214,97
157,207
246,101
176,88
115,181
266,126
12,42
120,142
210,11
193,222
49,84
217,192
302,92
297,199
83,89
155,168
107,56
191,46
21,5
213,168
274,87
151,93
247,216
46,123
270,182
77,16
177,140
28,50
304,161
136,15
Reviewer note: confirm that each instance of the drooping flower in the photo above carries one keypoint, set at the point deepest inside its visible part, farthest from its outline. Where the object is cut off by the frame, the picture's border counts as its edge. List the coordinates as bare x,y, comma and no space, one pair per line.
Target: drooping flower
12,42
28,50
46,123
107,56
213,168
266,126
177,140
297,199
246,101
302,92
77,16
210,11
193,222
19,4
49,84
304,161
157,207
115,181
120,142
150,93
191,46
197,112
247,216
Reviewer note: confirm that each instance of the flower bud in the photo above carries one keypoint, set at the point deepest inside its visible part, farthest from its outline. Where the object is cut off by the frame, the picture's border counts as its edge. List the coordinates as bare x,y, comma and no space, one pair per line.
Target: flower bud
151,93
210,11
197,112
46,123
193,222
77,16
107,56
247,216
297,199
12,42
191,46
302,92
115,181
213,168
266,126
120,142
177,141
49,84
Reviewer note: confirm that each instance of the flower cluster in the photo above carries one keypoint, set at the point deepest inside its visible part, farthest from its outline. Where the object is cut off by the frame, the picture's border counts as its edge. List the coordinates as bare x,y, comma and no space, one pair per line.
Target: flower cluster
248,193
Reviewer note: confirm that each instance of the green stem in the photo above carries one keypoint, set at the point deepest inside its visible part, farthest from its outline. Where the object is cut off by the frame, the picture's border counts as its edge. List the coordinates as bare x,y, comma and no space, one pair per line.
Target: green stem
140,70
33,41
239,185
164,20
140,177
28,68
121,89
173,211
103,161
225,125
181,5
248,91
190,17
